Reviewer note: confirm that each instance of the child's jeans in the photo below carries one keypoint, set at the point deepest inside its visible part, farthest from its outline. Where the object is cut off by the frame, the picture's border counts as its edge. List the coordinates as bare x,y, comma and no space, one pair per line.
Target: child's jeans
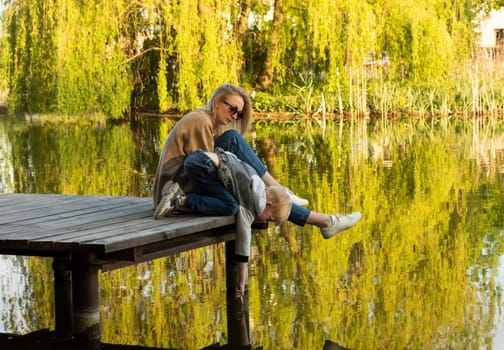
212,198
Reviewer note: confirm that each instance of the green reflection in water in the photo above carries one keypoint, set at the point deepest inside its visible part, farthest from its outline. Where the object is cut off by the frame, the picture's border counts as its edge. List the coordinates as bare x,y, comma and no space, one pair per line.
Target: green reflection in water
419,271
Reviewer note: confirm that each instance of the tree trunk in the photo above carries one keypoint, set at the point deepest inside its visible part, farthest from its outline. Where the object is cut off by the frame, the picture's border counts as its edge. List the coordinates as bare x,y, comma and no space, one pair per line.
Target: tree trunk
243,21
266,76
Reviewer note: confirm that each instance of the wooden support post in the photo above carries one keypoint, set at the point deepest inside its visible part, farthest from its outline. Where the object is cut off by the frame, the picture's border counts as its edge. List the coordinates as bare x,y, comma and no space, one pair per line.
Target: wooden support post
231,267
86,298
238,323
63,298
237,309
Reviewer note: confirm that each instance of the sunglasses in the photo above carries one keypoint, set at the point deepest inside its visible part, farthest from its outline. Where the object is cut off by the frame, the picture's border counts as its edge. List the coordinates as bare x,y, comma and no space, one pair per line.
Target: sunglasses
233,109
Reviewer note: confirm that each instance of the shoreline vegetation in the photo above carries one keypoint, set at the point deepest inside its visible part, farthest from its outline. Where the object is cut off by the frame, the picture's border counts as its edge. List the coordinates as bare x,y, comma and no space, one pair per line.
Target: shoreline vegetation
258,116
290,116
482,95
478,95
310,60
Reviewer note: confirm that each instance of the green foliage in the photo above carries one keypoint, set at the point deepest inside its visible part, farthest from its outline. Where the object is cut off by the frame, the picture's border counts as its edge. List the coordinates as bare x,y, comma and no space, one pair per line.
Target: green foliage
107,56
92,76
31,61
65,57
268,103
164,101
263,103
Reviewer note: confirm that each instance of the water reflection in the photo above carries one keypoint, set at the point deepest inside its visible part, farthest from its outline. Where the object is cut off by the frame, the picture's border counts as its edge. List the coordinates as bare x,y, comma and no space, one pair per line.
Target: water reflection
6,168
14,298
423,270
25,290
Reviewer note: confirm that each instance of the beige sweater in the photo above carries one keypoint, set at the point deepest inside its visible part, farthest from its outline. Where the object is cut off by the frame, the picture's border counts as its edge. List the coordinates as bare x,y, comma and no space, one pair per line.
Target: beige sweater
194,131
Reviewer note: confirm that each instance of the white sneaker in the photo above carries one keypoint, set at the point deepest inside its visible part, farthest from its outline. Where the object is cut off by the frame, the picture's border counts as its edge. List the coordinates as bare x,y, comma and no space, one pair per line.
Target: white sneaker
169,201
295,199
340,223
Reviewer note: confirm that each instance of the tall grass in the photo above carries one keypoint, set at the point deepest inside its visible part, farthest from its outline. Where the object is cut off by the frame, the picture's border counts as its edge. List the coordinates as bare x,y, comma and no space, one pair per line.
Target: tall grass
475,89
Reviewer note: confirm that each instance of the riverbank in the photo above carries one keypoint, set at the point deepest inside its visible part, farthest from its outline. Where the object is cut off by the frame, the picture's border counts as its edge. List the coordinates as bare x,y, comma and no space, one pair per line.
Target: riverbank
273,116
288,116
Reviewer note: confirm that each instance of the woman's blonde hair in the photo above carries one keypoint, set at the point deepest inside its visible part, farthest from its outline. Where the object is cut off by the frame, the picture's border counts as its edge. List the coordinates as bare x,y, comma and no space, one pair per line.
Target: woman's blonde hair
222,93
280,203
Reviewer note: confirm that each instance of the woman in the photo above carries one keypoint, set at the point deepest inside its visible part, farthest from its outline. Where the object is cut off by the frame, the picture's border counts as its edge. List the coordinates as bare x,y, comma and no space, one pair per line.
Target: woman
221,124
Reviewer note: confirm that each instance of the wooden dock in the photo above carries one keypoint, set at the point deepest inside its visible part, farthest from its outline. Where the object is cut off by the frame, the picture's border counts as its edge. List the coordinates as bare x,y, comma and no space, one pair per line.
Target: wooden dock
85,234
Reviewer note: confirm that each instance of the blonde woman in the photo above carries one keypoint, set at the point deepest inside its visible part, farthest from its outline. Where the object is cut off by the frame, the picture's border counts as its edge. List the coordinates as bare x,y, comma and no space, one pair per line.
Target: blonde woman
222,123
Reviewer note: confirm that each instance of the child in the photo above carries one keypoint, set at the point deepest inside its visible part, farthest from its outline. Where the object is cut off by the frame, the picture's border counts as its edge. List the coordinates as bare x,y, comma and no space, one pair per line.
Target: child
224,185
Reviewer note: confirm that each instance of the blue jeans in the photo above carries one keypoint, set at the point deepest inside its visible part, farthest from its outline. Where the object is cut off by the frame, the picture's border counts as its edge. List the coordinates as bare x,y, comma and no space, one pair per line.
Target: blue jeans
211,197
232,141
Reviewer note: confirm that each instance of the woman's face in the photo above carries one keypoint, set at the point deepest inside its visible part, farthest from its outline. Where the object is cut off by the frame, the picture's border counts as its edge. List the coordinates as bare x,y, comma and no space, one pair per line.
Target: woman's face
228,109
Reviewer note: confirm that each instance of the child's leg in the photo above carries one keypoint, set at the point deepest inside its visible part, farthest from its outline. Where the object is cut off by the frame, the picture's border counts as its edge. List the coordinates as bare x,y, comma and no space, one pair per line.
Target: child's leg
299,215
232,141
210,197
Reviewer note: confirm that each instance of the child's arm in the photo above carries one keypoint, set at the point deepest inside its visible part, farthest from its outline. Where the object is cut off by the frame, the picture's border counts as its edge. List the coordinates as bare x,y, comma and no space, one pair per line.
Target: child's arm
242,279
244,221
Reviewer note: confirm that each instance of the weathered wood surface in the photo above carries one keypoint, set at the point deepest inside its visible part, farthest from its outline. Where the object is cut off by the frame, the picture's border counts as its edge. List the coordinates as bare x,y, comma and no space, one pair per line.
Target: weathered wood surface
87,233
111,229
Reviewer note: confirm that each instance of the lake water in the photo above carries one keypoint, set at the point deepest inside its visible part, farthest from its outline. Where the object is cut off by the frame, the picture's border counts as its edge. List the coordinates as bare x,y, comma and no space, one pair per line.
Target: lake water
424,269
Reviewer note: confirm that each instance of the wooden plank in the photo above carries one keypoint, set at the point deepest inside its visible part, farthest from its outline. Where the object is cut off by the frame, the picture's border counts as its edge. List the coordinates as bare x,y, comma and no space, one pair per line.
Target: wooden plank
142,230
173,246
36,228
59,212
103,226
123,228
25,196
94,224
17,237
37,210
14,204
142,233
122,213
196,224
170,247
33,200
89,220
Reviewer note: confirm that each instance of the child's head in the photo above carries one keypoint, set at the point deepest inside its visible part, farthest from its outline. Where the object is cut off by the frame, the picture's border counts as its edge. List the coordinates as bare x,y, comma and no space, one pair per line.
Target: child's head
279,204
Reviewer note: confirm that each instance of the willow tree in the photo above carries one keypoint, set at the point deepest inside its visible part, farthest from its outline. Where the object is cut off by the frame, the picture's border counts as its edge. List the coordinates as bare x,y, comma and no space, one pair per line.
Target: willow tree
102,56
92,74
327,36
205,45
265,77
317,42
358,49
65,56
189,47
30,55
